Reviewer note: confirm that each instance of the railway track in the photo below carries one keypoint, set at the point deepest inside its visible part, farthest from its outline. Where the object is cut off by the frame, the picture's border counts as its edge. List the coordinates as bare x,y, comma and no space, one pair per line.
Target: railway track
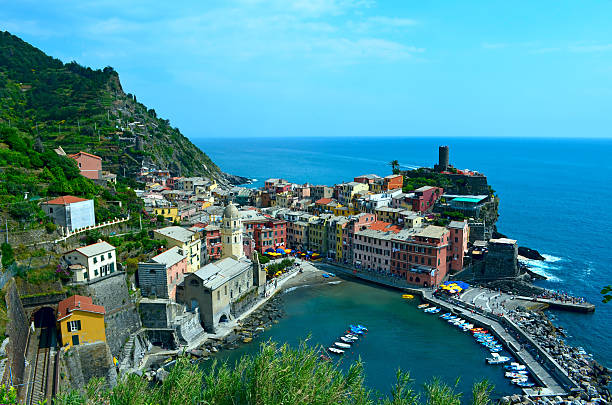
38,389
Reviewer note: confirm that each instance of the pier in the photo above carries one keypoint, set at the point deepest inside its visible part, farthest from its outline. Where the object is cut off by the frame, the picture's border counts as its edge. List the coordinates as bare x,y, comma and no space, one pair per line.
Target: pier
584,307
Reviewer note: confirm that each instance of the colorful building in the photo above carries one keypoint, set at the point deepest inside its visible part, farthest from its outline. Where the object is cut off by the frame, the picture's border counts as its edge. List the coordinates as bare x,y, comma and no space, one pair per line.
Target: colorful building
80,321
185,239
459,237
160,276
425,197
70,212
90,165
91,262
169,213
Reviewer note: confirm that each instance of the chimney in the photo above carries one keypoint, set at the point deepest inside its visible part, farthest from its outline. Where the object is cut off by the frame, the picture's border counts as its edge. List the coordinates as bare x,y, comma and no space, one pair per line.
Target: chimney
78,304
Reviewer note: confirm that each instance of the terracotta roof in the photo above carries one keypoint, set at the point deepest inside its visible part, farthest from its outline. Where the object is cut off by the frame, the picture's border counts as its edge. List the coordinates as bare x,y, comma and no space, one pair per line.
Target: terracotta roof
384,226
75,155
77,303
323,201
65,200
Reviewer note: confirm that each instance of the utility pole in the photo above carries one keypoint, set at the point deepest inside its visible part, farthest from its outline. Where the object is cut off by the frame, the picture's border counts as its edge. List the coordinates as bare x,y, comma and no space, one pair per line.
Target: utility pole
79,125
6,226
140,221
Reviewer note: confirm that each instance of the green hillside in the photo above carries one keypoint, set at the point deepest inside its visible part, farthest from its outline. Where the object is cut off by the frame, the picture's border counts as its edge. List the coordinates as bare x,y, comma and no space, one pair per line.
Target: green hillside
77,108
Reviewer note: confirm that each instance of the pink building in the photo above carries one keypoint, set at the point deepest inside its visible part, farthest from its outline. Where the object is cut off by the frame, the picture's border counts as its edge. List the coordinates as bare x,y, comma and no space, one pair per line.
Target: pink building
159,276
459,236
90,165
356,223
420,256
425,197
372,247
367,179
302,191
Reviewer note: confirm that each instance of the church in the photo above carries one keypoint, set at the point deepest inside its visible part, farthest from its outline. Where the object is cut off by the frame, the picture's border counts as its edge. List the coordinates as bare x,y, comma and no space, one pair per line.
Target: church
220,289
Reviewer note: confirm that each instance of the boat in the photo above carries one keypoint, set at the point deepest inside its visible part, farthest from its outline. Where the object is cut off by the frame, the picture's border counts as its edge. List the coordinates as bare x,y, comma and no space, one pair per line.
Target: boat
435,311
360,328
408,296
335,350
351,336
446,315
363,328
515,367
497,359
525,384
495,349
518,380
325,275
332,274
422,306
513,375
355,331
342,345
346,340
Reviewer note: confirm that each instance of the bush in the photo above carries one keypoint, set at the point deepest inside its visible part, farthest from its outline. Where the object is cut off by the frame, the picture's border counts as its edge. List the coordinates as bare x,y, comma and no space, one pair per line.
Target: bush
50,227
8,257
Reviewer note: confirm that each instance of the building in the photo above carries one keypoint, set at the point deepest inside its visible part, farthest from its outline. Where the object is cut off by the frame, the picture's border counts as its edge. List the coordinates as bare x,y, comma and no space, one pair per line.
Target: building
270,234
80,321
420,255
425,197
388,214
501,260
160,276
367,179
187,240
372,248
91,262
231,233
71,213
318,192
348,190
459,237
393,182
214,246
169,213
218,286
90,165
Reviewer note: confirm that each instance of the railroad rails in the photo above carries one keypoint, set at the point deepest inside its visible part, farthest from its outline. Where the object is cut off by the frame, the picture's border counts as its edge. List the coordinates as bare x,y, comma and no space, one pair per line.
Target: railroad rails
41,382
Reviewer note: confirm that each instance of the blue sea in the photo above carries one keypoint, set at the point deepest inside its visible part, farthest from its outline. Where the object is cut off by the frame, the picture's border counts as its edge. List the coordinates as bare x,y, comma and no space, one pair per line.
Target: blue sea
555,197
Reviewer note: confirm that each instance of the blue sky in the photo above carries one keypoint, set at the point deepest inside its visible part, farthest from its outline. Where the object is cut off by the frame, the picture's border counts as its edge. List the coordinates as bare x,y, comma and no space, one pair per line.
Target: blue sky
344,67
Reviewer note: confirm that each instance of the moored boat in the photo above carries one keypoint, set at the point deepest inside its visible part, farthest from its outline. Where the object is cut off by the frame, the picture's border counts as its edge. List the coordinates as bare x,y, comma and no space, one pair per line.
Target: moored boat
335,350
342,345
346,340
422,306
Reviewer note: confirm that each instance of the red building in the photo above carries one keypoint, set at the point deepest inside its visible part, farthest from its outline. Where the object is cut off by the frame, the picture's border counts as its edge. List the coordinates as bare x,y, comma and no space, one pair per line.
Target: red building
425,198
213,242
90,165
268,234
421,257
459,236
393,182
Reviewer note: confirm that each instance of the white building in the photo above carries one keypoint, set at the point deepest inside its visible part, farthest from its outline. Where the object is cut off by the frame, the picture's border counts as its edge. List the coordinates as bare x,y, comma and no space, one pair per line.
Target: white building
92,261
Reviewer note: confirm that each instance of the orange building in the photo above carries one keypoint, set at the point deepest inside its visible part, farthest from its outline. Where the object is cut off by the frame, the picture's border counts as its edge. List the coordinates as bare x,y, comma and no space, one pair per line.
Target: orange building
89,165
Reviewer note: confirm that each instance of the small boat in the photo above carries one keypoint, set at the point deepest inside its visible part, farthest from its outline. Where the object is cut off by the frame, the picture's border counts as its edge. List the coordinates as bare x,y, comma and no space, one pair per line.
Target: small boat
515,367
513,375
525,384
325,275
518,380
342,345
356,331
363,328
497,359
408,296
422,306
435,311
446,315
331,274
359,328
335,350
351,336
495,349
346,340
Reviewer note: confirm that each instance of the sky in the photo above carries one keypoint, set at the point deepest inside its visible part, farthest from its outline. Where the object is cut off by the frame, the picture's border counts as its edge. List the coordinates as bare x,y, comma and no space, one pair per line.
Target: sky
285,68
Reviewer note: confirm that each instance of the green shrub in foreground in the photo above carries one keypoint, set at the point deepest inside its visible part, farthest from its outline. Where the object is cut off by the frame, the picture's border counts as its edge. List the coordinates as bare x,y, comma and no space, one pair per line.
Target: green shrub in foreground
276,375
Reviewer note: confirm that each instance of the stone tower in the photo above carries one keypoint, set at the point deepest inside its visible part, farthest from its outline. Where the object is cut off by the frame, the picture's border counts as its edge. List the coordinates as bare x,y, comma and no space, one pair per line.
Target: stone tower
231,233
259,275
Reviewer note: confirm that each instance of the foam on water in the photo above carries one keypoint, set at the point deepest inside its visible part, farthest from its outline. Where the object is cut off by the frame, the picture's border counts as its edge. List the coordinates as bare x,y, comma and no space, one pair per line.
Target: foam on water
545,268
288,290
551,258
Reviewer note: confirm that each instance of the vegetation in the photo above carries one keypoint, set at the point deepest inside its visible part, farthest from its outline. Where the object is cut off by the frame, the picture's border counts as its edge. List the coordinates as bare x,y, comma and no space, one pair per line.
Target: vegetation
274,268
414,179
275,376
263,259
394,166
607,294
65,104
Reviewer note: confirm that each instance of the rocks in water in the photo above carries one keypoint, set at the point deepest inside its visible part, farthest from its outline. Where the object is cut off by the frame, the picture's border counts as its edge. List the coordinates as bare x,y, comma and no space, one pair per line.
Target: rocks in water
530,253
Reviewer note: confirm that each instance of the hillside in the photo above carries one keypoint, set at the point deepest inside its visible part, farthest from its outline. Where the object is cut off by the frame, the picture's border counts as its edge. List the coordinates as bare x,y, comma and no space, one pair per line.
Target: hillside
77,108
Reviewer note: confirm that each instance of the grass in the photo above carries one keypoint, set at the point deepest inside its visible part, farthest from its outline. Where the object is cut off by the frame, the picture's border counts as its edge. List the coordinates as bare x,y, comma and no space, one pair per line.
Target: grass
277,375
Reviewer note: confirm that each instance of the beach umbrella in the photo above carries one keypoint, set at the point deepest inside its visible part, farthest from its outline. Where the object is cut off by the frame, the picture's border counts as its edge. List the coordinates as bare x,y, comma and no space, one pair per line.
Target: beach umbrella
280,250
269,250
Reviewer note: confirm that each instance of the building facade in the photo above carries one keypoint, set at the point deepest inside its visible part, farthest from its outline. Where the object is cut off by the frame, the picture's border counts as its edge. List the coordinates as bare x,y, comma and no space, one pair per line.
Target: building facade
80,321
91,262
160,276
71,213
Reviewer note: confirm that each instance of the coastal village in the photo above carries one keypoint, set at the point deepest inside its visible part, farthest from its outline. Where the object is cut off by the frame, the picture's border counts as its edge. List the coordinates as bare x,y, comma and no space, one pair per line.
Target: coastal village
221,253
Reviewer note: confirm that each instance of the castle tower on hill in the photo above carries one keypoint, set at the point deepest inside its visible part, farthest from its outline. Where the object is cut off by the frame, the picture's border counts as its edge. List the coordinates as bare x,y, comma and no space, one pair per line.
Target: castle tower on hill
231,233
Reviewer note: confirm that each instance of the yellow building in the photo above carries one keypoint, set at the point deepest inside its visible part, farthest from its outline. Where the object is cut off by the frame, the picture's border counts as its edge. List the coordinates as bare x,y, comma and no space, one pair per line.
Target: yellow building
170,213
80,321
185,239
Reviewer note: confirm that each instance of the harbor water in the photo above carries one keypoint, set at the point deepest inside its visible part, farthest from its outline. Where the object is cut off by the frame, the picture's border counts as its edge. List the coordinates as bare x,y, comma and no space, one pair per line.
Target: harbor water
399,336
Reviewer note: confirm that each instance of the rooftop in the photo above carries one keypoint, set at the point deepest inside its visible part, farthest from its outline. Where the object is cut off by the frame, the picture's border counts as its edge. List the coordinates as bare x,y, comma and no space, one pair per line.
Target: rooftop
456,224
214,275
176,232
95,249
170,257
432,231
66,200
504,241
75,155
80,303
424,188
473,200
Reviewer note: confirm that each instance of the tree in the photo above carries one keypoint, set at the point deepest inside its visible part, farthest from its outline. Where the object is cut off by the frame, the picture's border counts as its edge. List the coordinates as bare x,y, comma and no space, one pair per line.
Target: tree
607,294
8,257
394,166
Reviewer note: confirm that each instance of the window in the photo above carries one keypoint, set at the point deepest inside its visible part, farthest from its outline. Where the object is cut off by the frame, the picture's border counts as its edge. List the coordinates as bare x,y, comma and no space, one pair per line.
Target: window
218,295
101,258
74,326
95,260
110,255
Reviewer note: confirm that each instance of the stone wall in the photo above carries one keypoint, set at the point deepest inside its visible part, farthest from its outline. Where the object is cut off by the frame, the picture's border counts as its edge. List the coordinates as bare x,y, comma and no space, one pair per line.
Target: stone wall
87,361
121,319
17,330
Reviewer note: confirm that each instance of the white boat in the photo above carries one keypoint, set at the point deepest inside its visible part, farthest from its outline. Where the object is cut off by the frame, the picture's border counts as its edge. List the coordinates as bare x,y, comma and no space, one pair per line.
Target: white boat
519,380
335,351
346,340
342,345
497,359
515,375
351,336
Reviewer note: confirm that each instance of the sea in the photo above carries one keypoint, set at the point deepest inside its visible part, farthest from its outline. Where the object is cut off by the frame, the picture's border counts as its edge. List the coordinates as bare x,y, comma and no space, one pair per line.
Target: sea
555,197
